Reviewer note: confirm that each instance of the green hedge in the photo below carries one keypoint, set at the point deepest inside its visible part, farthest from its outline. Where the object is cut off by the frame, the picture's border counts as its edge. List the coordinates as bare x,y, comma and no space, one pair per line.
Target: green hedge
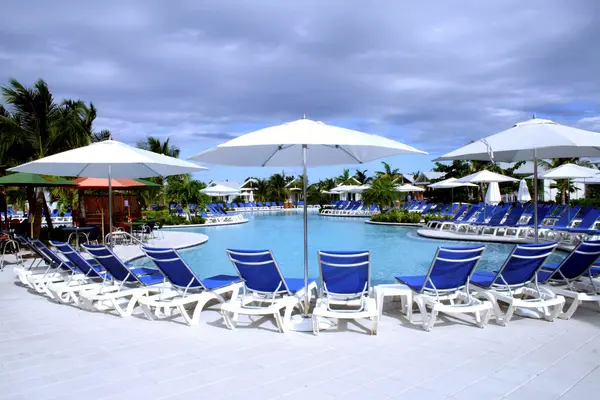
397,216
163,216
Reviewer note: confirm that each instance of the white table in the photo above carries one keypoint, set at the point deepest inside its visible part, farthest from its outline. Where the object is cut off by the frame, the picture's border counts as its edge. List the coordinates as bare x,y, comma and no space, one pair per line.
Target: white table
400,290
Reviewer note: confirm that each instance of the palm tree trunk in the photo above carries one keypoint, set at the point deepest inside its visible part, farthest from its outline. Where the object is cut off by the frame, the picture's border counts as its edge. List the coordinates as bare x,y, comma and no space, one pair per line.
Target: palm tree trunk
31,201
48,218
39,204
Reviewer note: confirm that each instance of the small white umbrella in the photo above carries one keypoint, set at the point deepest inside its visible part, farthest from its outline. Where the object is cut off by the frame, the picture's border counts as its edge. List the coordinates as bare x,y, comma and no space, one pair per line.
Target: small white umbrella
568,171
451,183
220,190
409,188
492,196
486,176
303,143
523,195
109,159
529,141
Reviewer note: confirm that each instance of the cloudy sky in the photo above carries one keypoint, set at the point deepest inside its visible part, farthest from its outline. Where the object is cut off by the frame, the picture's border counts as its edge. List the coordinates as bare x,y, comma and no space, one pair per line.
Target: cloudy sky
431,74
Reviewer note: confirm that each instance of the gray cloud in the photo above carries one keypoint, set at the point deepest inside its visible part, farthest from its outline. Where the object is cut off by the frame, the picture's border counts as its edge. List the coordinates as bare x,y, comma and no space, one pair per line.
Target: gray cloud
434,76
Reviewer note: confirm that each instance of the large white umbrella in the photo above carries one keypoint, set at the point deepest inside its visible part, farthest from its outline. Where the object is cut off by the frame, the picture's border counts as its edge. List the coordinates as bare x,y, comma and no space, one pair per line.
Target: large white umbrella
303,143
109,159
529,141
493,194
523,195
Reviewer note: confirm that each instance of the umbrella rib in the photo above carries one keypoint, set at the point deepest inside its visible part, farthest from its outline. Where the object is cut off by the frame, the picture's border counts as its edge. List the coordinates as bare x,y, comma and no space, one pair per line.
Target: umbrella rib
337,146
279,148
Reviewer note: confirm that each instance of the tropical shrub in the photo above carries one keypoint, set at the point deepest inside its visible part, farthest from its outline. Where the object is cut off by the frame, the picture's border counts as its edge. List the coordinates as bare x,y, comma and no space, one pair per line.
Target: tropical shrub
397,216
435,217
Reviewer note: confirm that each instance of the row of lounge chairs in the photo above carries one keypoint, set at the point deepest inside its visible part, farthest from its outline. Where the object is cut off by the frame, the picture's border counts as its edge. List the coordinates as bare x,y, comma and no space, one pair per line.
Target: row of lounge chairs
256,206
555,222
350,208
452,284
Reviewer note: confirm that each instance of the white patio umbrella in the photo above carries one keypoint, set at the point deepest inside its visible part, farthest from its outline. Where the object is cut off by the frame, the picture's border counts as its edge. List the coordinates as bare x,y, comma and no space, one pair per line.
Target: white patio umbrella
109,159
529,141
486,176
492,196
523,195
568,171
303,143
451,183
220,190
409,188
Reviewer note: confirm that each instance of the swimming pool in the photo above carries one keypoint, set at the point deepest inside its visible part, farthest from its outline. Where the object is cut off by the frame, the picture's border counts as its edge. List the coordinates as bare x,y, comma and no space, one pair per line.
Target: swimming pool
394,250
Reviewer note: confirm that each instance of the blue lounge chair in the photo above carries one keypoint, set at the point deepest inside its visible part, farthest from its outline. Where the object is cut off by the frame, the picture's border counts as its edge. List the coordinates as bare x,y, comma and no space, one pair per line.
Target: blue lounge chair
563,222
571,277
512,219
518,228
187,288
265,291
132,283
515,283
448,281
457,215
95,276
460,220
345,288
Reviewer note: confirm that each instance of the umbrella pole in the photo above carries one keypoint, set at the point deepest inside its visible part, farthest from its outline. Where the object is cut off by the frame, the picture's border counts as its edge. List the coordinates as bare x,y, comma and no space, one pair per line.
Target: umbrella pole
305,218
535,195
110,207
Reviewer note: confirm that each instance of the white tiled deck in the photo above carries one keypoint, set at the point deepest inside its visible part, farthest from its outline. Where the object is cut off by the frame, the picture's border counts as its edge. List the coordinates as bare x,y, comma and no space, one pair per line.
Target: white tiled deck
52,351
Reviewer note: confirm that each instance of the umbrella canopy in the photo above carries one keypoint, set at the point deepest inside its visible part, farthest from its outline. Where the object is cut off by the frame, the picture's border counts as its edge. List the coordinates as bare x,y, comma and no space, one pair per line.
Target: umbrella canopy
107,159
344,189
523,195
95,160
25,179
531,140
547,138
409,188
282,145
567,171
304,142
102,183
493,194
450,183
486,176
220,190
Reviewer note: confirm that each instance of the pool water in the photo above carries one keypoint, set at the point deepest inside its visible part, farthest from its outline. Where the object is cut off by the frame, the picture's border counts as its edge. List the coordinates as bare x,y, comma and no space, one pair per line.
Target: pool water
394,250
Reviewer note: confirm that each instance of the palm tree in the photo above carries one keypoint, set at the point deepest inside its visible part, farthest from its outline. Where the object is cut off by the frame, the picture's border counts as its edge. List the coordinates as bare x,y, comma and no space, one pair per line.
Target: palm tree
36,126
564,186
362,177
101,136
184,190
262,190
388,172
277,189
382,192
156,146
346,179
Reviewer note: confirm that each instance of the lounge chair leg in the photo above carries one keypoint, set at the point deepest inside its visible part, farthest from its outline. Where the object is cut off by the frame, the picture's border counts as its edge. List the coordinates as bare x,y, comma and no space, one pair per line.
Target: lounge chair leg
509,313
571,310
315,323
375,322
495,306
147,312
277,316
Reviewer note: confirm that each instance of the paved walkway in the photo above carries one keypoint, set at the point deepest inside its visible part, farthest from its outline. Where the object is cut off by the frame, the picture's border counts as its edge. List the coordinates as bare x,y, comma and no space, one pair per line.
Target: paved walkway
53,351
168,239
